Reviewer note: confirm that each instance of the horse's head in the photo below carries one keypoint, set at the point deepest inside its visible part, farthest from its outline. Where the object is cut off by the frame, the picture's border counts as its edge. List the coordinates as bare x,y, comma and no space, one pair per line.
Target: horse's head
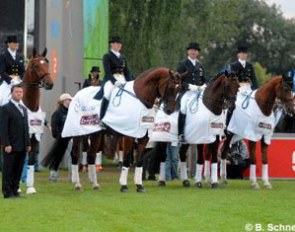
37,73
230,89
168,89
284,92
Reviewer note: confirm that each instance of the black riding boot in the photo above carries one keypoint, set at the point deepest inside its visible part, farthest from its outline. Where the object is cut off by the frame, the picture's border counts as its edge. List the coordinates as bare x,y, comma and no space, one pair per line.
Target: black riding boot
181,124
103,109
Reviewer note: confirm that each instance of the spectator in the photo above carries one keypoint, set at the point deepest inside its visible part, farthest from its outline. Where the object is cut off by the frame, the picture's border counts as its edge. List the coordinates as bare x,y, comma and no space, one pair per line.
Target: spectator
15,140
56,153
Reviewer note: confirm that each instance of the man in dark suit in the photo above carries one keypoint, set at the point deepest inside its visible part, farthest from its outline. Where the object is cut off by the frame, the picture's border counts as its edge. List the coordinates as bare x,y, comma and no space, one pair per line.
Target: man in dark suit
15,140
195,80
244,69
116,72
12,65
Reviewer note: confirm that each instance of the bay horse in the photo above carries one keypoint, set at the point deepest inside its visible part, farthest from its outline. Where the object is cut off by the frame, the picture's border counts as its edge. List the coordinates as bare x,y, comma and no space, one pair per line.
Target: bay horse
36,76
158,83
253,120
205,123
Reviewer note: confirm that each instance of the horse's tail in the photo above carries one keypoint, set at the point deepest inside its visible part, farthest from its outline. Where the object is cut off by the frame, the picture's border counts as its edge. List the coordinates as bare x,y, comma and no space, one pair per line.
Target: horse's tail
53,159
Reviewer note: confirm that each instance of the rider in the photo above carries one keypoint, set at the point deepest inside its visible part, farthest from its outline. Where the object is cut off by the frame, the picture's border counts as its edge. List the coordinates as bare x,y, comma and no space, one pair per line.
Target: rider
195,80
245,73
244,69
116,72
12,66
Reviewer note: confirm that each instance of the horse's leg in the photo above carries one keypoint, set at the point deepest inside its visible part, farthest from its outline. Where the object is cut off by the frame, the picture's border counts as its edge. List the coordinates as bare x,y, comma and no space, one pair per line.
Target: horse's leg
119,151
213,147
200,166
127,150
91,157
264,148
207,168
85,148
77,140
142,142
252,151
161,151
31,166
183,166
224,152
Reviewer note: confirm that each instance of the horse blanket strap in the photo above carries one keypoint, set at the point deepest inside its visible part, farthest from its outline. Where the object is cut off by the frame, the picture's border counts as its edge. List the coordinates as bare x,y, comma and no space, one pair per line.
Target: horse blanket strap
194,103
249,122
117,99
245,103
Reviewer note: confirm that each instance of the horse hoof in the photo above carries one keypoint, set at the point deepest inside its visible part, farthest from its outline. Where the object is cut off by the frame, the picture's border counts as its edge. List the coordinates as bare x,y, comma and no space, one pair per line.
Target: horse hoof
267,186
31,190
140,189
215,185
96,187
78,187
186,183
199,185
255,185
124,189
161,183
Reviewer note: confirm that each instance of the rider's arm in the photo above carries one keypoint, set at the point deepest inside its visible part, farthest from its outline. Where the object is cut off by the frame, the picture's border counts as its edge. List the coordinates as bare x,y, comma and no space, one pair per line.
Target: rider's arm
107,68
3,73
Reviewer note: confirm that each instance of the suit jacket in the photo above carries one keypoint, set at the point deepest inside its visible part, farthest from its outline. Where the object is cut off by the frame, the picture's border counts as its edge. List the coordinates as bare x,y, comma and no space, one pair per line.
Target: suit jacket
195,73
14,127
245,74
9,66
113,64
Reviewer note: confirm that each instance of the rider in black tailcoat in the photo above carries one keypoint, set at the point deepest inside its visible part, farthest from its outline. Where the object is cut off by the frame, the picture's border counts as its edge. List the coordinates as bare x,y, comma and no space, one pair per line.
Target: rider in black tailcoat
243,68
194,80
11,62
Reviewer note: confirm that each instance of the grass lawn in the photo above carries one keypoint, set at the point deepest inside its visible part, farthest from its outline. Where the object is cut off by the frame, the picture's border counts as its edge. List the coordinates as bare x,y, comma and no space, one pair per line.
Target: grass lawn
57,207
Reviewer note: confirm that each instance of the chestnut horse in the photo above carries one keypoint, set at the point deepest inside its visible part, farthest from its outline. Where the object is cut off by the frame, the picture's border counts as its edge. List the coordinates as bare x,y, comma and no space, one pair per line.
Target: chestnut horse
199,107
37,76
156,83
253,120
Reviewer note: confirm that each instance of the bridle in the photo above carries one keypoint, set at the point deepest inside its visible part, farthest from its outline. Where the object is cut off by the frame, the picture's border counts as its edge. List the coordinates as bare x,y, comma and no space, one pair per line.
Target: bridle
38,81
164,97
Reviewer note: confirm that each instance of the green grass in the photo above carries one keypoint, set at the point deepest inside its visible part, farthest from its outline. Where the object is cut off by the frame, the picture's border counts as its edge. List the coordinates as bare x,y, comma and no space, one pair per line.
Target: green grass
57,207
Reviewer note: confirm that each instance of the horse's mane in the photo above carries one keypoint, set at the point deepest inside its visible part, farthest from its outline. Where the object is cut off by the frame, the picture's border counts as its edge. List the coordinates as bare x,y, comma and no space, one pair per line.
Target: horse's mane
271,79
215,78
149,72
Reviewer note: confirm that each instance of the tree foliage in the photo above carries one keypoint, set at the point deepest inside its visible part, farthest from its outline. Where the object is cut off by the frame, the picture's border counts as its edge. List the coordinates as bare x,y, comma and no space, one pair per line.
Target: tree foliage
156,32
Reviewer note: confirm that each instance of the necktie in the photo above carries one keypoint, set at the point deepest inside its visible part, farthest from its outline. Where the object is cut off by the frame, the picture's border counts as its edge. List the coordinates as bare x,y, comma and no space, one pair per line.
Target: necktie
21,108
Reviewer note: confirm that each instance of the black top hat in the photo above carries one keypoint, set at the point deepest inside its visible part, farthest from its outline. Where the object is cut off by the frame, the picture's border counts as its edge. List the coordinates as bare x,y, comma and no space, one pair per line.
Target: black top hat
115,39
193,45
95,69
11,39
242,48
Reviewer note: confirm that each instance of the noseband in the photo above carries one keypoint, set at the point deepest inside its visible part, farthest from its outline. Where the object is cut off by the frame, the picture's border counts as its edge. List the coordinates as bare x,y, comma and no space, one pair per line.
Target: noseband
34,71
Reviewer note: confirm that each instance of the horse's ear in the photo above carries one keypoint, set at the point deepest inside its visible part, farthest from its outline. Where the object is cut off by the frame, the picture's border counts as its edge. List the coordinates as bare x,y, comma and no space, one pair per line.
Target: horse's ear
185,74
44,52
34,52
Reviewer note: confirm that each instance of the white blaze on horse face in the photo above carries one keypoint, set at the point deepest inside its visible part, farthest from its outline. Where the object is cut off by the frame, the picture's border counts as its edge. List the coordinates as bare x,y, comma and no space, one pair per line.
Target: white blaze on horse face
42,61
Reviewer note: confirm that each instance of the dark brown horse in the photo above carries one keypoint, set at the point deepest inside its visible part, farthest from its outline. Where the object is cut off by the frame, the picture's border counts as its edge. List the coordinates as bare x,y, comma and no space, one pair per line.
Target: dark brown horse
277,87
37,76
219,95
155,83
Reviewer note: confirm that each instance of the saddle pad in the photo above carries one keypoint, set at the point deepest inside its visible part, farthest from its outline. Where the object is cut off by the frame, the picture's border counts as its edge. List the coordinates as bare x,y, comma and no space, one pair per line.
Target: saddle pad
126,114
249,122
83,115
201,125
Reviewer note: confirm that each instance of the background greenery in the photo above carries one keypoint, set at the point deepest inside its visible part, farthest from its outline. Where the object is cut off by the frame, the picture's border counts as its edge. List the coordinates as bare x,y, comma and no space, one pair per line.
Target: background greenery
57,207
156,33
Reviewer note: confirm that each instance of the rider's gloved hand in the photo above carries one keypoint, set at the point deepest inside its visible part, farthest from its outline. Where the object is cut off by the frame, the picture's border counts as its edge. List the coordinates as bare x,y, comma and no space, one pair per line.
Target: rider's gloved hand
193,87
